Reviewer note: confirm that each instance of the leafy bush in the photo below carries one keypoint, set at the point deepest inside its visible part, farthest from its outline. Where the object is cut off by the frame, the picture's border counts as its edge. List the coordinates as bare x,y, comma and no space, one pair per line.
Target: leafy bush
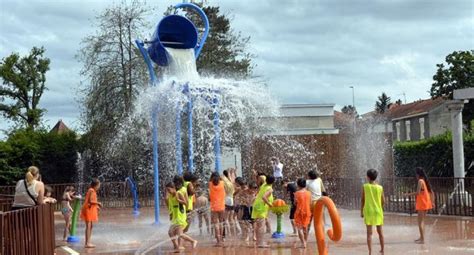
55,155
435,155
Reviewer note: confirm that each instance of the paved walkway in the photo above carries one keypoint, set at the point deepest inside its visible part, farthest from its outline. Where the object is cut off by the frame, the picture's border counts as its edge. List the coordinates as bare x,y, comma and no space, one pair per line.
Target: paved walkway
119,233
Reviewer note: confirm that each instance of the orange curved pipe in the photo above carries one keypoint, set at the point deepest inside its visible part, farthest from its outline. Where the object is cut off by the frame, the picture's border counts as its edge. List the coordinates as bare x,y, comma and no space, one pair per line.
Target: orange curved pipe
335,233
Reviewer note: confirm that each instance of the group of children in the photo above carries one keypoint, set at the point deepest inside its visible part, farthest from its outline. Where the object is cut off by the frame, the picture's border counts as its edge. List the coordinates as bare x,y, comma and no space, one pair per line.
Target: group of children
236,205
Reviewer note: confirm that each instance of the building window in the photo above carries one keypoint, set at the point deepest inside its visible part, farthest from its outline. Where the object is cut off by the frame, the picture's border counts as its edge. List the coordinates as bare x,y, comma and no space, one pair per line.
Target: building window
397,127
407,125
422,128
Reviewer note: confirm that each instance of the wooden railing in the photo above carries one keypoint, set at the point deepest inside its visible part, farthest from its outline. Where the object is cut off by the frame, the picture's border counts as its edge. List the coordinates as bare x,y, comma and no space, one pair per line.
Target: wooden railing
28,231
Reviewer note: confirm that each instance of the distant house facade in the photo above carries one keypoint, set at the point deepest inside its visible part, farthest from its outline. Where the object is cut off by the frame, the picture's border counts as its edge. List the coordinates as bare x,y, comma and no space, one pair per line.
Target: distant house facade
413,121
419,120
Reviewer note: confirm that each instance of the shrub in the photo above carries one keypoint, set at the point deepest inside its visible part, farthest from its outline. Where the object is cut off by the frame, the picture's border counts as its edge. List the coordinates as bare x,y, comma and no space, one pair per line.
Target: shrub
433,154
55,155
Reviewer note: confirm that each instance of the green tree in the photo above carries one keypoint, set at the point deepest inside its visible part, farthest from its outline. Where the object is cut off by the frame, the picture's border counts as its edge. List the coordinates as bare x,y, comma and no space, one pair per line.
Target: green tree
225,52
23,84
55,154
382,104
349,109
457,73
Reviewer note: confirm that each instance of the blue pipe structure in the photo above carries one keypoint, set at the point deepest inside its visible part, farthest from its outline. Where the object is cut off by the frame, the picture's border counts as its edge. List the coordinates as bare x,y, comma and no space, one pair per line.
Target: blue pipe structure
133,189
172,31
217,135
154,120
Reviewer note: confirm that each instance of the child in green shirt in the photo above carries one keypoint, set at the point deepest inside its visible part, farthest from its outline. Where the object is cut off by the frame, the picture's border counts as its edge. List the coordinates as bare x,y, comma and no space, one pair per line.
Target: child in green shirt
177,207
372,208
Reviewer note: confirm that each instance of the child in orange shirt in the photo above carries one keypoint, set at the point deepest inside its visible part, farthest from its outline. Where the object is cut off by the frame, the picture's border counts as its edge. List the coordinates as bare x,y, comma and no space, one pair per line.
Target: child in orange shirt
90,210
217,201
423,201
303,210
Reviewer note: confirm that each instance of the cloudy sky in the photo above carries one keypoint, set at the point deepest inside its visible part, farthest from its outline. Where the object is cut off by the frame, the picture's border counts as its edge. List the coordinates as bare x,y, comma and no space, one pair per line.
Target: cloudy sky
309,51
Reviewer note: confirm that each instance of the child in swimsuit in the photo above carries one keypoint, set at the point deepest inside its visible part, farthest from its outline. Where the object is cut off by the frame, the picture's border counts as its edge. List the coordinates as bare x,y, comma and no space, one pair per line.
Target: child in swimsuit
66,209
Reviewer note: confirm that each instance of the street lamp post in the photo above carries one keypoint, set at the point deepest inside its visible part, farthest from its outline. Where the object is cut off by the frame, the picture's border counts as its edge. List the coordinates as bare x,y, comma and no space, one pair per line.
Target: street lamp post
353,106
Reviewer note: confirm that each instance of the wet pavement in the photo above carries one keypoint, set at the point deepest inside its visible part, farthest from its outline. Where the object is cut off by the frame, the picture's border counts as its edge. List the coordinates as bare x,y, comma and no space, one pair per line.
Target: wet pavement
118,232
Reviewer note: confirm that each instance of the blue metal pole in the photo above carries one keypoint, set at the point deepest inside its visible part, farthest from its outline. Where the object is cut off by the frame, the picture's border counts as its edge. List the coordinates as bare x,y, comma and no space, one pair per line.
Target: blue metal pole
133,188
154,119
217,135
190,129
179,153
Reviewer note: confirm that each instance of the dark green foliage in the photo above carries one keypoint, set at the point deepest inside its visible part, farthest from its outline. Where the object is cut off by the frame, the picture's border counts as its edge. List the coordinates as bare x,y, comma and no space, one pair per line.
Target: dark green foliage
225,52
457,73
383,103
23,84
433,154
55,155
349,109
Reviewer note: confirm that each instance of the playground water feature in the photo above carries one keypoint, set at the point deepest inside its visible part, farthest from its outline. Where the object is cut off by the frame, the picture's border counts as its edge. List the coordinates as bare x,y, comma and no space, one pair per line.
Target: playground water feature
240,106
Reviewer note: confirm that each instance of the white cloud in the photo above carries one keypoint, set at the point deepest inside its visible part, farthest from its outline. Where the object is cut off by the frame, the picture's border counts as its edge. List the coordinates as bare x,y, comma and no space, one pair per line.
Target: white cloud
316,48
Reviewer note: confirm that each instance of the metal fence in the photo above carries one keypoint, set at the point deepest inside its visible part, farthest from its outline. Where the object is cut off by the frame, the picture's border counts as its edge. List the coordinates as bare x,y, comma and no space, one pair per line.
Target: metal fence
110,194
28,231
346,193
452,196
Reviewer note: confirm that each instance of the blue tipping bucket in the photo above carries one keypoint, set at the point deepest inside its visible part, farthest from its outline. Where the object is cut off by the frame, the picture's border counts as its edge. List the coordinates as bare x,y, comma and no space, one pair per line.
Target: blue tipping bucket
173,31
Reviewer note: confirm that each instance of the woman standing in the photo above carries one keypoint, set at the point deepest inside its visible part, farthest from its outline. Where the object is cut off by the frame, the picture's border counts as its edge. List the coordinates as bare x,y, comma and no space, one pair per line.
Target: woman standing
30,191
423,201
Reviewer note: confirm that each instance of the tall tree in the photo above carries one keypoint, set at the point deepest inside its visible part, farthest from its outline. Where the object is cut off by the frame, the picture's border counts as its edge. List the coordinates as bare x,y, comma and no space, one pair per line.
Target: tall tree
23,84
225,52
383,103
115,72
349,109
112,62
458,73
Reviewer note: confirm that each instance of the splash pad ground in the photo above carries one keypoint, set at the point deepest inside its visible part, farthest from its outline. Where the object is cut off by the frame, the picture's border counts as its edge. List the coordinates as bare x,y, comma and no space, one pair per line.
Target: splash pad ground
119,233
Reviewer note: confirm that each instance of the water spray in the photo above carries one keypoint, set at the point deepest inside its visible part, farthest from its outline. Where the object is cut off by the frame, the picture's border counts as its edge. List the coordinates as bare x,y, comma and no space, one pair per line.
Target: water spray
176,32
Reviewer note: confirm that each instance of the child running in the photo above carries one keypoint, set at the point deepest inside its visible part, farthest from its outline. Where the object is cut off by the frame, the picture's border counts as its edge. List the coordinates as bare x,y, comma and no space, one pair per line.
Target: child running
303,211
217,201
263,201
423,201
372,208
66,209
177,204
90,210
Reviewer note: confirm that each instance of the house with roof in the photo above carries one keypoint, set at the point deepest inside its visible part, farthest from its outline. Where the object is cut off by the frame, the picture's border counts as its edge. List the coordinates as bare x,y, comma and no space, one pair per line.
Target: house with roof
413,121
60,128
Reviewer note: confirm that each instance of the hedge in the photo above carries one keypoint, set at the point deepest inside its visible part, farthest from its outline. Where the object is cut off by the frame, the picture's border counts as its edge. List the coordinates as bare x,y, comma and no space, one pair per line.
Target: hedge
433,154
